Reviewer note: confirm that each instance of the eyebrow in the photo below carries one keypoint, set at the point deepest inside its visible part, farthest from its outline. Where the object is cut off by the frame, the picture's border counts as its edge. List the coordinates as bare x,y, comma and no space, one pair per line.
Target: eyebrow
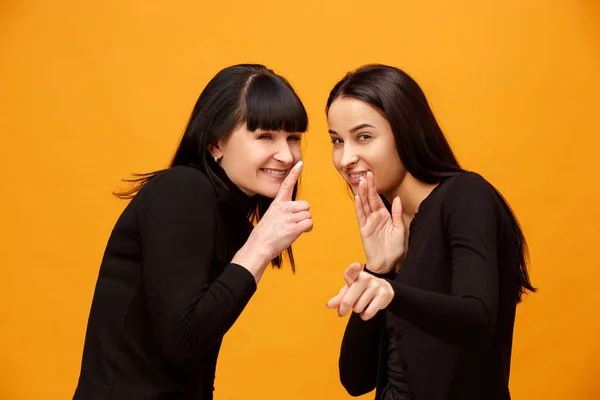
356,128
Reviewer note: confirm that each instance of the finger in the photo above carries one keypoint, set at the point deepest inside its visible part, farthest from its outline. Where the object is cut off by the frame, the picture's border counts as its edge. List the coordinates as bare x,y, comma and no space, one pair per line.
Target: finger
360,213
376,304
352,295
374,200
362,193
352,273
380,203
297,206
382,299
364,300
300,216
306,225
287,187
335,302
397,213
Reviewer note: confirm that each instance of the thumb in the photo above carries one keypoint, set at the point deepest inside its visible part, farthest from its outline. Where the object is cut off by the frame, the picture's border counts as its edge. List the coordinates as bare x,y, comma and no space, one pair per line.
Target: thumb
352,273
397,213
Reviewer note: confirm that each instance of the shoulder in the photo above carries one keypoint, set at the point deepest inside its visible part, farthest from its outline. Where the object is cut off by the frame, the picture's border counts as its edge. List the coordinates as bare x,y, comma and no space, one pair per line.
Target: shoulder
469,195
469,185
182,183
183,175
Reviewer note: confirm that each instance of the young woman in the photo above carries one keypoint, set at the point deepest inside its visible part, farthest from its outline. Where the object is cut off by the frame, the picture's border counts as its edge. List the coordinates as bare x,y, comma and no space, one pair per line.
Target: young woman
184,259
434,306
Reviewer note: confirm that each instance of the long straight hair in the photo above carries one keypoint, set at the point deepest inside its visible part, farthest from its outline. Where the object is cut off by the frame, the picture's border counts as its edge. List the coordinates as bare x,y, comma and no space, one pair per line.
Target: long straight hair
420,142
244,93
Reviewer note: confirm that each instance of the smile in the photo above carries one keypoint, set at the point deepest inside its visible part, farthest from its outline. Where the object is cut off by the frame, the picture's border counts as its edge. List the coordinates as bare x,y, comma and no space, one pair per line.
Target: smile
276,173
354,178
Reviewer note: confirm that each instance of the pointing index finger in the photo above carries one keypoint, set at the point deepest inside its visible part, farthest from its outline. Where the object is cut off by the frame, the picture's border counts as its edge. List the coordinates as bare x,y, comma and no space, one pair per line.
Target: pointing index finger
287,187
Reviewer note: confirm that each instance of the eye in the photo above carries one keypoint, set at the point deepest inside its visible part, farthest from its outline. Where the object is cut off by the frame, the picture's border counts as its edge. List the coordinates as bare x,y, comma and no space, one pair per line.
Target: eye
266,136
336,141
363,137
294,138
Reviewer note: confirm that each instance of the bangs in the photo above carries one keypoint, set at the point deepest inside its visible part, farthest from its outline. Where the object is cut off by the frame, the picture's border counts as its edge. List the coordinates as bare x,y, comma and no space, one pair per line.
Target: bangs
271,104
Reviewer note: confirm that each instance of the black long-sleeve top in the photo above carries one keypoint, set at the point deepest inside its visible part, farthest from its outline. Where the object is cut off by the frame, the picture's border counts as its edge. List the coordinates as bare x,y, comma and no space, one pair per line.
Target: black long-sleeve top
454,302
166,291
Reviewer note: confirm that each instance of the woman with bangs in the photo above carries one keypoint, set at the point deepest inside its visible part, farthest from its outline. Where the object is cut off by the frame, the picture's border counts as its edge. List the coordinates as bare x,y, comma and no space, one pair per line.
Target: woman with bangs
186,254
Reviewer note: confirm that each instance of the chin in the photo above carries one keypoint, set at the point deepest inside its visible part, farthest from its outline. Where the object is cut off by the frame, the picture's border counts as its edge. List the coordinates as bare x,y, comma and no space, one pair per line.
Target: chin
269,193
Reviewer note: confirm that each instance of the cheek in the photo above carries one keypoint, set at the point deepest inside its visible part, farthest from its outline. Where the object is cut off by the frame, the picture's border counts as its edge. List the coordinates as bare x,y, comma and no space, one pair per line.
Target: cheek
296,151
390,170
260,153
336,156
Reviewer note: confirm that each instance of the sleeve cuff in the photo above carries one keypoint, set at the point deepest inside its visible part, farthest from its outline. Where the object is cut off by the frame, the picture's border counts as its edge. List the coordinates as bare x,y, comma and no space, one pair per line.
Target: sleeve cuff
389,275
239,280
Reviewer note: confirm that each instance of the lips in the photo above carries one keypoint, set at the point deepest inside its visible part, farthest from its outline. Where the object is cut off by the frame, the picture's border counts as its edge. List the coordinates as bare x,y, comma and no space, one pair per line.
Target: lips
354,177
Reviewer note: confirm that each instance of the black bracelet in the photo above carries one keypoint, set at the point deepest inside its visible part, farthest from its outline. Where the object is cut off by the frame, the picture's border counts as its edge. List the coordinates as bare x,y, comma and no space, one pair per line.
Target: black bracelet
388,275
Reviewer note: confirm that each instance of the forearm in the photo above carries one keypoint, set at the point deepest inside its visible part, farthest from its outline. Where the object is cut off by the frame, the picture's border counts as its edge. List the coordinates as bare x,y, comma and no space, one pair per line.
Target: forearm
359,355
460,320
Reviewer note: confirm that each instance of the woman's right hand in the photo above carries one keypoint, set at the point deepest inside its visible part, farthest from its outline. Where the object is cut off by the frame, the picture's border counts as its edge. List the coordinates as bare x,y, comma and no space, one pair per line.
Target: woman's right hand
282,224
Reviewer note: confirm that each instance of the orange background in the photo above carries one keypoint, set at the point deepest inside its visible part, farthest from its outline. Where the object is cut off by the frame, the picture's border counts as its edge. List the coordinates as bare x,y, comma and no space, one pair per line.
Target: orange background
91,91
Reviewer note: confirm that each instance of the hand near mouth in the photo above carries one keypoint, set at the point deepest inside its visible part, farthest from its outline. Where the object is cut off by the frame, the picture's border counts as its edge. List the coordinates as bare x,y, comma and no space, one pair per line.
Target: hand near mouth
382,234
284,221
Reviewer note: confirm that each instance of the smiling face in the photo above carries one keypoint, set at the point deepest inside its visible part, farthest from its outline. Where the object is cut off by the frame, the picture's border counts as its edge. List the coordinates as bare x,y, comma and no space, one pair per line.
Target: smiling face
258,161
363,141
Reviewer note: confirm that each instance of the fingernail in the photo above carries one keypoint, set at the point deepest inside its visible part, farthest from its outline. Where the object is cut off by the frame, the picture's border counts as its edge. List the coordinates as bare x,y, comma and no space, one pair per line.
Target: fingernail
299,165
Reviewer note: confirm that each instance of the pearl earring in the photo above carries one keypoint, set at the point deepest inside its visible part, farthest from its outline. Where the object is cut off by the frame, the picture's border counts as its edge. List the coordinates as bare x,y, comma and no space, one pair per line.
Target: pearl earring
216,159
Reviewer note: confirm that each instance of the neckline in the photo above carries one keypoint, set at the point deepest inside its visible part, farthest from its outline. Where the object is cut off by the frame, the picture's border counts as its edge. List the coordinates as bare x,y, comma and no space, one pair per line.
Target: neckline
424,204
231,196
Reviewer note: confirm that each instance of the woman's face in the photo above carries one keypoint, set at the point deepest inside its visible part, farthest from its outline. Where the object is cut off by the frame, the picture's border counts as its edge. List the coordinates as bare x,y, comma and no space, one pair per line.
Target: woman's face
363,141
258,162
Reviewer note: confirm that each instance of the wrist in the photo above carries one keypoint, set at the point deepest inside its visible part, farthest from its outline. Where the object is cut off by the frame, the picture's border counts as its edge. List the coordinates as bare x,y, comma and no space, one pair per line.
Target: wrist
378,267
253,258
379,273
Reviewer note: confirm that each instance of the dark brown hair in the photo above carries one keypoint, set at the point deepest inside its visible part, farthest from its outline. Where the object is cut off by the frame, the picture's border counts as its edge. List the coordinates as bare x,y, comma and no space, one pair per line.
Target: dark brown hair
244,93
420,142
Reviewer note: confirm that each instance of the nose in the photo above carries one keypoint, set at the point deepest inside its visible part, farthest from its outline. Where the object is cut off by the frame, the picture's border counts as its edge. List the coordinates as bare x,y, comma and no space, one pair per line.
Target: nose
349,157
284,154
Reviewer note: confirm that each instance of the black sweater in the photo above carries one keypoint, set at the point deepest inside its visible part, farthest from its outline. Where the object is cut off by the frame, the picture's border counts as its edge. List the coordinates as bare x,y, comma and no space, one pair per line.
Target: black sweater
454,301
166,291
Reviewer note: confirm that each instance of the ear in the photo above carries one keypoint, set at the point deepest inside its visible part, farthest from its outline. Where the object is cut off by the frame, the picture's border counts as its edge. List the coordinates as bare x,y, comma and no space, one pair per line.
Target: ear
215,150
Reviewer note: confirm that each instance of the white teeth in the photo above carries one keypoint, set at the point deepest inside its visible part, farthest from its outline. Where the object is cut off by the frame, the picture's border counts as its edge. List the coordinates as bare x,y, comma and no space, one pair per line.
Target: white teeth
357,175
274,172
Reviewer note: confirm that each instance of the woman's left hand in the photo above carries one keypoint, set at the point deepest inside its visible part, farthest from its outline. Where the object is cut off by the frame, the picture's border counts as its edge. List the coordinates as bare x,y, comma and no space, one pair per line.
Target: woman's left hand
382,233
363,293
